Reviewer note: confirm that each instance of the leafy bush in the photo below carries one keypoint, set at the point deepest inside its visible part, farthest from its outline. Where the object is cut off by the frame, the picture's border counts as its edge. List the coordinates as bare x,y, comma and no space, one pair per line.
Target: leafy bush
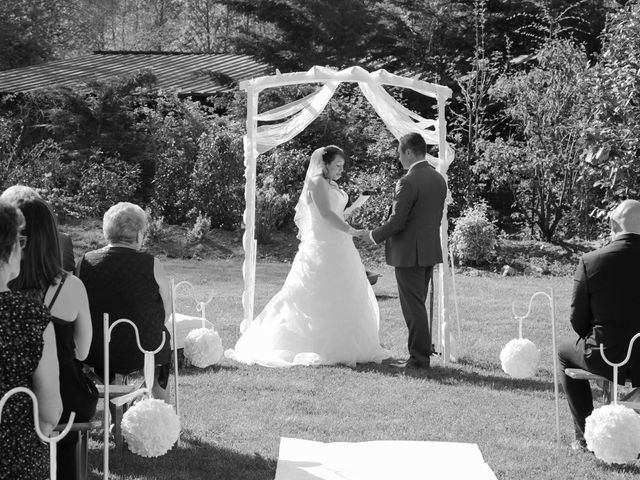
272,210
373,213
156,226
473,241
217,180
105,182
200,228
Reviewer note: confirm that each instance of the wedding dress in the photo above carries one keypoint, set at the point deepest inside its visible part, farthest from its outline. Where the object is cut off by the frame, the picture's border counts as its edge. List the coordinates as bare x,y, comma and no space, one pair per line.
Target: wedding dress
326,312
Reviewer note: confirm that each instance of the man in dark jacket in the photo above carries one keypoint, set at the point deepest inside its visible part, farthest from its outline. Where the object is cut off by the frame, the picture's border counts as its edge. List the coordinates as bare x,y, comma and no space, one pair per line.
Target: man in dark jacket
605,309
412,241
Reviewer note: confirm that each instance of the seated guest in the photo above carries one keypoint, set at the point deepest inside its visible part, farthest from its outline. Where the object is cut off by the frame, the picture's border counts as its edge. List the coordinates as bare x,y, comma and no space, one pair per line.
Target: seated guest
604,310
43,279
21,192
27,359
127,283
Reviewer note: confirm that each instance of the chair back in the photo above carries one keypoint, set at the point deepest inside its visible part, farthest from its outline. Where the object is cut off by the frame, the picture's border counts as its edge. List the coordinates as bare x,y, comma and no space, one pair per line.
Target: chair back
615,366
149,367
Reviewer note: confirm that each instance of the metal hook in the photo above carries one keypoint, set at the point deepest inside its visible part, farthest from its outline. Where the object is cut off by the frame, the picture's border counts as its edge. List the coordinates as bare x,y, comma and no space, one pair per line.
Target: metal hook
616,365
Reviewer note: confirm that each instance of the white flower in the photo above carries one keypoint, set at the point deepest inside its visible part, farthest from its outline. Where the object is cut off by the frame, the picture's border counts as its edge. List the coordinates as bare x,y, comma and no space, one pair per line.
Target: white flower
150,427
519,358
612,433
203,347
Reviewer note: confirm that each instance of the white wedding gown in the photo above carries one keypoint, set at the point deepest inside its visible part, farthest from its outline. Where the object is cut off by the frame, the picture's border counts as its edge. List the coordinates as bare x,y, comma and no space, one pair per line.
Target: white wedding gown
326,312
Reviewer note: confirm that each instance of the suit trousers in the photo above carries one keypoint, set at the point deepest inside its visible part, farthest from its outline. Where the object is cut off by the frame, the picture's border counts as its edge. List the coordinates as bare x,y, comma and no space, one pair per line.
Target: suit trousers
579,396
413,287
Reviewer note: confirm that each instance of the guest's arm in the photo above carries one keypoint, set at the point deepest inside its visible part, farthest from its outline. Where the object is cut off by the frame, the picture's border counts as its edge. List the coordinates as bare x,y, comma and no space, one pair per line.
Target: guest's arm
82,327
581,315
46,383
165,287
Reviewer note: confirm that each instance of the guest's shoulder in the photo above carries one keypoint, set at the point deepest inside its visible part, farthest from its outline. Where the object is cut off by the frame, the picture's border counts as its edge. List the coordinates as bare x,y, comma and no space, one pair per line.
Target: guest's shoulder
27,312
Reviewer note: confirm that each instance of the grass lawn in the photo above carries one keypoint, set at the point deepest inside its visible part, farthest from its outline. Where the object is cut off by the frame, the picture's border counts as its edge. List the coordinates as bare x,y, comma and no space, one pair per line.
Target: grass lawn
233,416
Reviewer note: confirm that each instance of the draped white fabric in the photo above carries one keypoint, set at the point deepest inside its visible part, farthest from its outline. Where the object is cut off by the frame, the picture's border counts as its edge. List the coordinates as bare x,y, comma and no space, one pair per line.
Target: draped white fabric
293,118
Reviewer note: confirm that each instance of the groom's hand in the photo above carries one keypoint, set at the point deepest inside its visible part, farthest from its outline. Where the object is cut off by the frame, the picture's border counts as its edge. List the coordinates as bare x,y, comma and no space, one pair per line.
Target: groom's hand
365,236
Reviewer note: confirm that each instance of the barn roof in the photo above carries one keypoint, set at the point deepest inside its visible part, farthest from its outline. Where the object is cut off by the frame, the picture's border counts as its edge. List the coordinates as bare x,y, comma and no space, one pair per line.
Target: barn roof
186,73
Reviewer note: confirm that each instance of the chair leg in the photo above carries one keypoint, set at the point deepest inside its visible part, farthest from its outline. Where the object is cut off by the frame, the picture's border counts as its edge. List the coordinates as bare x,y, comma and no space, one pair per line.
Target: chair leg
83,455
116,428
606,392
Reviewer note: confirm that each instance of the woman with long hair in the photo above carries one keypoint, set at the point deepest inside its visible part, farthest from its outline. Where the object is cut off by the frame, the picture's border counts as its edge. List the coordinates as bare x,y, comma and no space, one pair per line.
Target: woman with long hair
43,279
27,359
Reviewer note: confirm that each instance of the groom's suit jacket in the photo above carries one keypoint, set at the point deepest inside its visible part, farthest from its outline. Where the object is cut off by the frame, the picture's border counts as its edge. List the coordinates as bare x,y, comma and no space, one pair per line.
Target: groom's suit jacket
605,307
412,231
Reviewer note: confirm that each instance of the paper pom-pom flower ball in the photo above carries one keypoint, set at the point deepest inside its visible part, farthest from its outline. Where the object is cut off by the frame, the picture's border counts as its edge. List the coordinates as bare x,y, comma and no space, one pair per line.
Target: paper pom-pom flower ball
150,427
203,347
612,433
519,358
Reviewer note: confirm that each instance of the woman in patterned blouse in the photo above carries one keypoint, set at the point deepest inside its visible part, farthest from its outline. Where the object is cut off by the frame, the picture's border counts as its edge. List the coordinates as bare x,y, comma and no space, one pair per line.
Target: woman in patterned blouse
28,358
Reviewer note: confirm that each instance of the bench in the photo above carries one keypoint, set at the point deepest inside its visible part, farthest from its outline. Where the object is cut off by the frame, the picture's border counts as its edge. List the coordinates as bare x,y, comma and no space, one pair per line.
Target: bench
631,399
81,429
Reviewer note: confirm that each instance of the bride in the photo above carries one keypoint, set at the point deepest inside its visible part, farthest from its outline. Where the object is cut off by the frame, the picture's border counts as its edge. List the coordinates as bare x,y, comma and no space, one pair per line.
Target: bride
326,312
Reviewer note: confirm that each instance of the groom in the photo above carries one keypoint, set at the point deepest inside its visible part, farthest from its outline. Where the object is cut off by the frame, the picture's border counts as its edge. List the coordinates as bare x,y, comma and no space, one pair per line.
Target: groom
412,241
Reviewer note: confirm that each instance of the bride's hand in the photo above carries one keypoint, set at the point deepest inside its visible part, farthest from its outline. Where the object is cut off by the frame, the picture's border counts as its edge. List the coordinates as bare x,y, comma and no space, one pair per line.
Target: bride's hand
354,232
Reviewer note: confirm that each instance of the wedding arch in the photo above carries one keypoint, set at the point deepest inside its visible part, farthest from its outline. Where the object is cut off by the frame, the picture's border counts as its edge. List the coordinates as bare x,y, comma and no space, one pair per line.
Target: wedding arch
296,116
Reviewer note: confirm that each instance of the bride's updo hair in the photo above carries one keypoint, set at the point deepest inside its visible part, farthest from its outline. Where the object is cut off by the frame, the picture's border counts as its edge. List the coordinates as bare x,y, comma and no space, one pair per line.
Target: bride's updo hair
330,154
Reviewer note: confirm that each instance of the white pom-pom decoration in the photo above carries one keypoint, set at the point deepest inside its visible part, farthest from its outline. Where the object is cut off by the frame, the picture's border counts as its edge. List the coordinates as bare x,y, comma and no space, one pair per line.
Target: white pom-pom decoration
612,433
203,347
150,427
519,358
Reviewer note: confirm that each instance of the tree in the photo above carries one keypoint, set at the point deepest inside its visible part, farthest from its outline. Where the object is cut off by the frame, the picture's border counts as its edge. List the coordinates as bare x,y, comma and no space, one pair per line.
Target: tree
541,160
613,159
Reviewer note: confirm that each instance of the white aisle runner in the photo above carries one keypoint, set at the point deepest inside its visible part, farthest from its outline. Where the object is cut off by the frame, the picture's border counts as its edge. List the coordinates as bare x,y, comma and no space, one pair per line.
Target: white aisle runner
381,460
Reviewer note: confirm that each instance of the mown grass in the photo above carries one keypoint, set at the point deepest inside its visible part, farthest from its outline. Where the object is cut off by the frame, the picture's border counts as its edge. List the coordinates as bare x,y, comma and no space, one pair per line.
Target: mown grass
233,416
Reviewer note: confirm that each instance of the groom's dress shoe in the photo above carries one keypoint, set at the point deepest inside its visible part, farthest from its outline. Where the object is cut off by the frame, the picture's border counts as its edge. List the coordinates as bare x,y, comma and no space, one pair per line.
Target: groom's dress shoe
412,364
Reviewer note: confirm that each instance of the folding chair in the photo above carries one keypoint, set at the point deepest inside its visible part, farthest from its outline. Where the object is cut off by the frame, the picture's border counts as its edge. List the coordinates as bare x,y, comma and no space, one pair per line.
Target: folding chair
121,400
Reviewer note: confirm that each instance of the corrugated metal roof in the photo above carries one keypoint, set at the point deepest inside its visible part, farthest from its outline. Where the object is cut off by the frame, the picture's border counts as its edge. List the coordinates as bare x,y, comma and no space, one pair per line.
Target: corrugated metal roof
186,73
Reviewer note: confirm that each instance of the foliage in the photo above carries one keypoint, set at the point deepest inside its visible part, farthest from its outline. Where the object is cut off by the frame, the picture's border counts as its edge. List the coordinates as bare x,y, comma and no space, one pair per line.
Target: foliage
549,107
473,241
200,228
217,178
613,138
156,226
375,211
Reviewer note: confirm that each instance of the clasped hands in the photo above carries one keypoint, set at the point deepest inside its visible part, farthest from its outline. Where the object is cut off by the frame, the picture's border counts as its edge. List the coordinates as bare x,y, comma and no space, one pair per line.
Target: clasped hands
362,235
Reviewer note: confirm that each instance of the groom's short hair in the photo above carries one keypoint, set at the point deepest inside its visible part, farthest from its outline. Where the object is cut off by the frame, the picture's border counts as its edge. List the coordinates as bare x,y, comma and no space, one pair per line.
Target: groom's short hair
415,142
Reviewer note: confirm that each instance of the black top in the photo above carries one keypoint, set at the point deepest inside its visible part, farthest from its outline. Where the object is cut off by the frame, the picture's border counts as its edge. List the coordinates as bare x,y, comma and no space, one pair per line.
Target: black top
65,342
606,305
22,324
120,281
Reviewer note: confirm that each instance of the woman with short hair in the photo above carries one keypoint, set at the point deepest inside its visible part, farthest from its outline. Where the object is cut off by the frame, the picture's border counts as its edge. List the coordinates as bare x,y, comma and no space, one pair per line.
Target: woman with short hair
28,358
125,282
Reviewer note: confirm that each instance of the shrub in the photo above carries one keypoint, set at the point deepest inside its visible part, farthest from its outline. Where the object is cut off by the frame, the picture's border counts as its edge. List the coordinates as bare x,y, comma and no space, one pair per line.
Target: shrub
156,226
473,241
217,180
373,213
272,210
200,228
105,182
